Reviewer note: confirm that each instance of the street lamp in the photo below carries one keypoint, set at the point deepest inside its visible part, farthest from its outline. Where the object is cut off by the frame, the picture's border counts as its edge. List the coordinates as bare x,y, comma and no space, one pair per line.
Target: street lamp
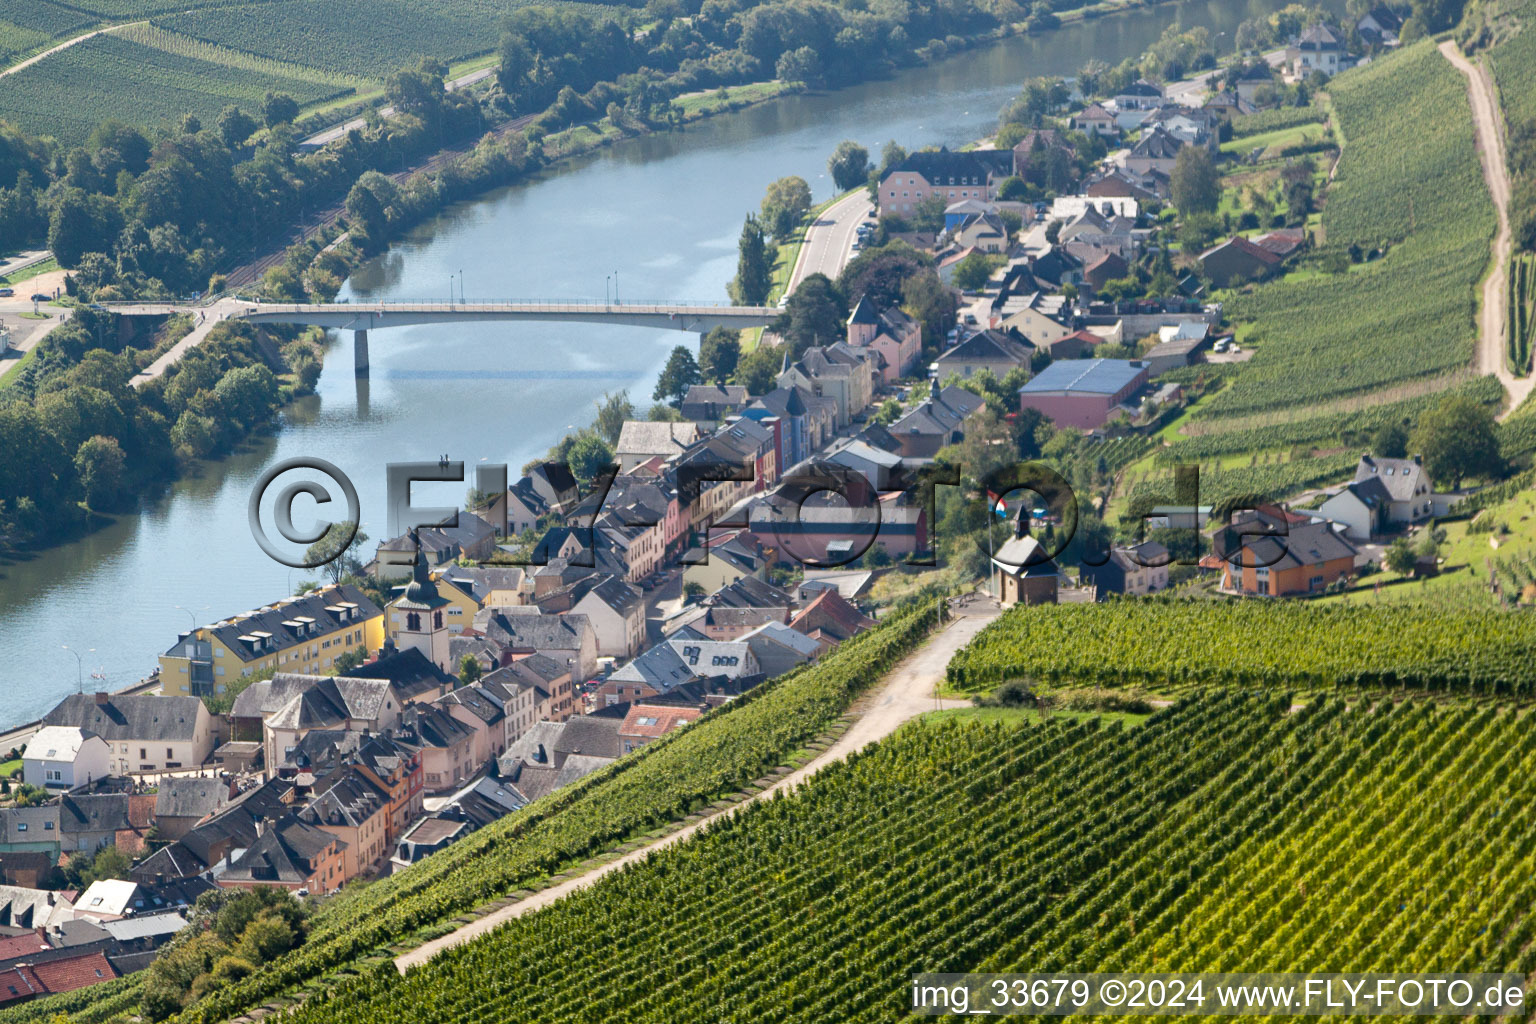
79,667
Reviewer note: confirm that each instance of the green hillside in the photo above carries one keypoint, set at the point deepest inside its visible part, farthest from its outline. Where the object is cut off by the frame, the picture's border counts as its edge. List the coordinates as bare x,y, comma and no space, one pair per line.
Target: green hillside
1188,843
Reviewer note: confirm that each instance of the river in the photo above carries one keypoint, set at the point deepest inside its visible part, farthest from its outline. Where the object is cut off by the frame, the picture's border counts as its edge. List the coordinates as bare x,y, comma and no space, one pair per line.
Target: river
662,212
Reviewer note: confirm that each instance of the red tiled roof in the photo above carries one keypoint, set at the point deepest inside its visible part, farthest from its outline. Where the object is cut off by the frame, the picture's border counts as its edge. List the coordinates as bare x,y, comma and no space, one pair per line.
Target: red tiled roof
19,983
831,614
655,720
76,972
14,946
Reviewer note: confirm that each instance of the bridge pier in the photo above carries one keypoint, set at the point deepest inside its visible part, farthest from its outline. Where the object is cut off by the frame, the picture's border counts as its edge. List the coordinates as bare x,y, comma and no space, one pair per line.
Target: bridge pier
360,353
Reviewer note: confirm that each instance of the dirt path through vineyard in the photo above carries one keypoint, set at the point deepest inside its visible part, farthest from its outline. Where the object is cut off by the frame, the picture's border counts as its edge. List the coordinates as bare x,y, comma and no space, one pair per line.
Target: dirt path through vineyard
908,691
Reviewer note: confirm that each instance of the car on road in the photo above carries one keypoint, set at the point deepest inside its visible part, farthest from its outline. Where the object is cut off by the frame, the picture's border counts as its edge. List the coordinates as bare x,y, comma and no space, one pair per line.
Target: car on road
6,293
40,297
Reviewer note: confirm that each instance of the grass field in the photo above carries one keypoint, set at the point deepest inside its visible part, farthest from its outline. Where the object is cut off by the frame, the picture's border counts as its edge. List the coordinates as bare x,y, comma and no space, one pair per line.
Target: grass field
1408,180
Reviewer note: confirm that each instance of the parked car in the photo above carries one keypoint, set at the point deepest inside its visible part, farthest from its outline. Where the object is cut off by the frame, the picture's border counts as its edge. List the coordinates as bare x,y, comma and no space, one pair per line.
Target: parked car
40,297
6,293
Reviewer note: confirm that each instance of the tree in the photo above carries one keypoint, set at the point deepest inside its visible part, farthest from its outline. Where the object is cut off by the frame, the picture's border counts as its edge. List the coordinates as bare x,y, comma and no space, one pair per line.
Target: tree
235,126
1195,185
802,64
335,555
588,456
754,267
612,411
1391,441
758,370
972,272
848,165
1458,438
1399,557
364,212
469,669
100,461
278,108
786,203
680,374
718,354
815,314
661,412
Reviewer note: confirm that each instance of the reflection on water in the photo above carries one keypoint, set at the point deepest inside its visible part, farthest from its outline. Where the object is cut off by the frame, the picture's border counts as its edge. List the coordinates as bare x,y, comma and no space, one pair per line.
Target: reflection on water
662,212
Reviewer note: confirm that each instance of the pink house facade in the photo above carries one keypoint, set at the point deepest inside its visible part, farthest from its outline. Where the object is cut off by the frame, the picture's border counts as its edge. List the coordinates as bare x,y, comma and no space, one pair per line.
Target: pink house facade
895,337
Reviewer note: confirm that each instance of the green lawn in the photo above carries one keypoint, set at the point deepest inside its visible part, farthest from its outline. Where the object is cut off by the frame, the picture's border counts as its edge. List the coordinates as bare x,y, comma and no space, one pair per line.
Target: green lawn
9,768
1275,140
13,367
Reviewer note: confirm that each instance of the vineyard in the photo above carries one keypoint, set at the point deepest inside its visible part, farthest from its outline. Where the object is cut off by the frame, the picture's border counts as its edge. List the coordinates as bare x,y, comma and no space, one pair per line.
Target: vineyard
1520,325
1354,429
1513,59
1278,479
1408,181
1274,120
63,97
1171,646
27,25
362,38
1223,834
664,782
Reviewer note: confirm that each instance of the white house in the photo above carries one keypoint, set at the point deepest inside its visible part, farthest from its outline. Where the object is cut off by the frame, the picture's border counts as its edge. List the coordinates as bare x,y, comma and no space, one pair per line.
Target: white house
145,732
64,757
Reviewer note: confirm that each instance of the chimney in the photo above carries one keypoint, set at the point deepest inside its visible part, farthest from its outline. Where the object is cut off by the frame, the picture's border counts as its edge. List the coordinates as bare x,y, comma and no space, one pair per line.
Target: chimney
101,698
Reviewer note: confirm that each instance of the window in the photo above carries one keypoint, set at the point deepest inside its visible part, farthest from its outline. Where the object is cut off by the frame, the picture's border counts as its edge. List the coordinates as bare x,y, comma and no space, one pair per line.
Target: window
21,826
142,754
437,620
413,622
47,826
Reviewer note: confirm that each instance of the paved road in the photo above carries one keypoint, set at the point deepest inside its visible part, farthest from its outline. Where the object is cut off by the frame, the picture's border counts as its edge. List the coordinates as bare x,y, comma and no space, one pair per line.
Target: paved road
1487,124
906,693
332,134
210,315
829,240
24,260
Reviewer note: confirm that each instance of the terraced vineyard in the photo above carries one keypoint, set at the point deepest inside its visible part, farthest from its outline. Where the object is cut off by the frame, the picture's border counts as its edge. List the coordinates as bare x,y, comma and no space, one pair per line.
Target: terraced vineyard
1408,180
1068,846
1175,645
1520,328
1277,480
365,38
27,25
665,781
63,96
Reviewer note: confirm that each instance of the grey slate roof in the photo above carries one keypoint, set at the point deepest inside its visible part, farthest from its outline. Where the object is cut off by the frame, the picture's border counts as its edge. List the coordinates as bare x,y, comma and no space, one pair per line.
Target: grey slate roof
130,717
1402,478
190,797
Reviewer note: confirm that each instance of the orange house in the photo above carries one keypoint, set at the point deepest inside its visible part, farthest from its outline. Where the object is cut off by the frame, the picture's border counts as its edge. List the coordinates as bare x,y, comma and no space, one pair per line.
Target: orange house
1305,560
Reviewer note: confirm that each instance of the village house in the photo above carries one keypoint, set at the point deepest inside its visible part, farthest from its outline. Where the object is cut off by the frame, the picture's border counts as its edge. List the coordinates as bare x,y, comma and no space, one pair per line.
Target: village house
896,337
948,175
296,634
937,422
993,350
708,404
143,732
647,722
60,757
640,440
1237,260
1319,48
356,812
1132,569
616,611
1385,495
291,854
841,373
1300,556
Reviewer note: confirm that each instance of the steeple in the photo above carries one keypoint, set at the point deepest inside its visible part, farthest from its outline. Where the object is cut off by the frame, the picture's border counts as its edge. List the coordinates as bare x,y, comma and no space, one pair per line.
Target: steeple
1021,521
933,389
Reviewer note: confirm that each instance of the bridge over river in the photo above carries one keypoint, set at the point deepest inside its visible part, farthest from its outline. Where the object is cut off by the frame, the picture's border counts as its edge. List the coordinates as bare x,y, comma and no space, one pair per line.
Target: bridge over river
362,317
